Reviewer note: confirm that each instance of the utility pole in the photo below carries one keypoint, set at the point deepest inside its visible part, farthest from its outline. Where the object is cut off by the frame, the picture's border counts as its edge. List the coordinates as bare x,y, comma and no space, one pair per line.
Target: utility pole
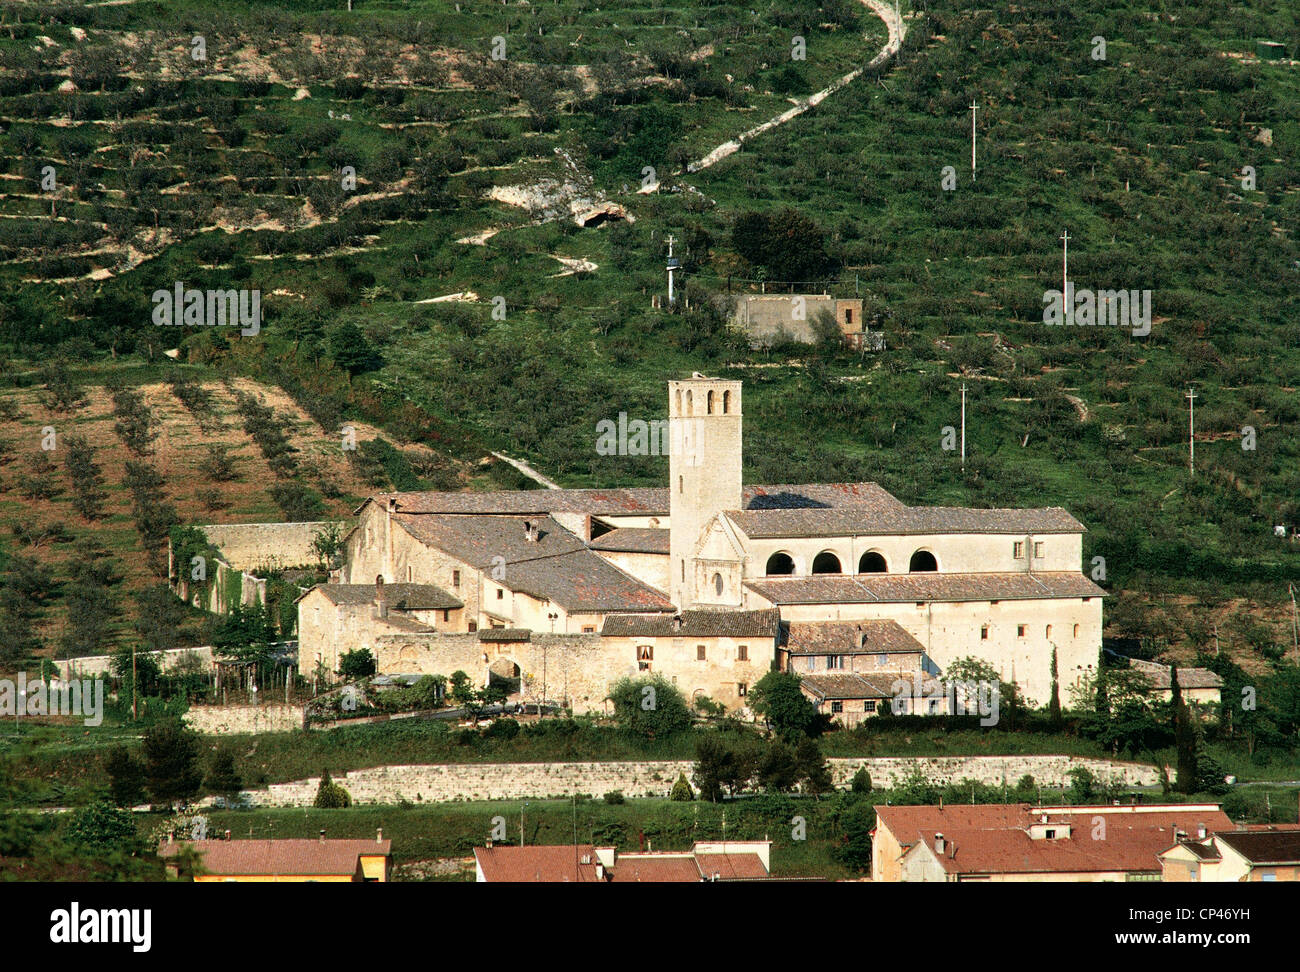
1191,431
973,108
1067,305
963,426
673,264
135,691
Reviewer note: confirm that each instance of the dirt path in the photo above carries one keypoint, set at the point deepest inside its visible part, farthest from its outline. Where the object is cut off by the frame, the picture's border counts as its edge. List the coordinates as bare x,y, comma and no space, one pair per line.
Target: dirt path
528,471
897,30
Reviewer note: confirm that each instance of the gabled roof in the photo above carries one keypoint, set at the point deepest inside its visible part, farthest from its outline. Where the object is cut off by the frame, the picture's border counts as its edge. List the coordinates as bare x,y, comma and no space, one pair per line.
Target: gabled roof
1157,675
545,864
652,540
1261,847
900,521
583,582
479,539
632,501
312,858
400,597
847,638
996,839
869,685
886,588
695,624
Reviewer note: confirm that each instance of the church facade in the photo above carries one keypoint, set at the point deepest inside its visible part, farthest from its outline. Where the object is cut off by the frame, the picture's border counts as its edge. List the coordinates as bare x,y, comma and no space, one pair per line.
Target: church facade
708,582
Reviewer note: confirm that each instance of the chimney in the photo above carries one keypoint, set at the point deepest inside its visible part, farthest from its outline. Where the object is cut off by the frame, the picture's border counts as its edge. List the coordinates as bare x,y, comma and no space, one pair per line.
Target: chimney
1200,831
227,835
600,872
322,836
381,598
939,844
171,836
379,836
530,531
489,843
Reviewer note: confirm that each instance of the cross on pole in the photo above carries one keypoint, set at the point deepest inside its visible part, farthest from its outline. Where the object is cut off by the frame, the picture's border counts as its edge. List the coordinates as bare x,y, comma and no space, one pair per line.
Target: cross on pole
1191,431
973,108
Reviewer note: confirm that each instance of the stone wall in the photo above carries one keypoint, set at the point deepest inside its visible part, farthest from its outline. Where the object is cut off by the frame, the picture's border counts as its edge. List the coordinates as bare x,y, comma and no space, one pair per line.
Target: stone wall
512,781
252,546
168,661
227,719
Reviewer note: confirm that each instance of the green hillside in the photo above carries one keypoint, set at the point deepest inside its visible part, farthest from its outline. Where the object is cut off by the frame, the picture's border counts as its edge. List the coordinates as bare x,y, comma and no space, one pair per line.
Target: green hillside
228,172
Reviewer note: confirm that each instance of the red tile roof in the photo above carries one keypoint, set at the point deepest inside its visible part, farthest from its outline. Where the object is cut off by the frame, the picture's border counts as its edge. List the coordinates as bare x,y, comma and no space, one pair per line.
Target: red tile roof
996,839
555,864
312,858
897,588
538,864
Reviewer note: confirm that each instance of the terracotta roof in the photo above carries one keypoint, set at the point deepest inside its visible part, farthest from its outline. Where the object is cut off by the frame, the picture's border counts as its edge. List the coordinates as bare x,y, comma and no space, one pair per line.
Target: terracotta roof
653,540
656,868
872,685
695,624
313,858
542,863
633,501
886,588
847,637
1157,675
996,839
557,566
400,597
1263,847
505,634
478,539
901,521
560,863
584,582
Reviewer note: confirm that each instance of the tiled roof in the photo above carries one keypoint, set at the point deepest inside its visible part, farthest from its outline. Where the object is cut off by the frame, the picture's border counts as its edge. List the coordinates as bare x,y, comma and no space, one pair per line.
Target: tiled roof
478,539
852,686
505,634
561,863
695,624
315,858
544,864
847,637
1189,678
557,566
901,521
886,588
655,869
400,597
1264,847
584,582
996,840
633,501
652,540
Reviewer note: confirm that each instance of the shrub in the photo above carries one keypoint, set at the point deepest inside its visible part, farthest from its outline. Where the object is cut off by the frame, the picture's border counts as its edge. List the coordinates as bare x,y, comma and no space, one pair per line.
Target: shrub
331,796
861,781
681,791
615,798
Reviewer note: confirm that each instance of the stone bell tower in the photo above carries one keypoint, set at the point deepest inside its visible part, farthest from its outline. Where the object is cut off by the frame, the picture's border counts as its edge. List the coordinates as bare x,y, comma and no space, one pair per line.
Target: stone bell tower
703,471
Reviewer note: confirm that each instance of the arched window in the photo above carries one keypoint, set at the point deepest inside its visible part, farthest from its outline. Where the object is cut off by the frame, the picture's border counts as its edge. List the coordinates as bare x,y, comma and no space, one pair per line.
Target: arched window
681,484
717,584
872,563
778,564
826,563
679,401
708,402
922,561
690,407
726,402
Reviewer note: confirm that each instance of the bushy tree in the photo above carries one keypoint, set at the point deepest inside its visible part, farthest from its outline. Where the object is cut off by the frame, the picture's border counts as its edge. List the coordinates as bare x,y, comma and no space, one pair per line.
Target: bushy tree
649,707
861,782
359,663
778,699
681,791
102,826
331,796
223,778
126,777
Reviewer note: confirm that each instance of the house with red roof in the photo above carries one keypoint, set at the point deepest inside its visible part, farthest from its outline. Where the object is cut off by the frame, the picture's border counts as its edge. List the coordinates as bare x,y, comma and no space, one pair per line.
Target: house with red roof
586,864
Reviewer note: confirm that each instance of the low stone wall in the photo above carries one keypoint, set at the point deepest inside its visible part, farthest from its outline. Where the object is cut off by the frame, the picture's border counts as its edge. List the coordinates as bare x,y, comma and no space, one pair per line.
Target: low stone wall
168,661
228,719
257,546
511,781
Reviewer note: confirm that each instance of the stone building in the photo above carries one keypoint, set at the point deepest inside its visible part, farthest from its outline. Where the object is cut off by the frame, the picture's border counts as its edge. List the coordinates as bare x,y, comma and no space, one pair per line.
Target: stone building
770,319
598,583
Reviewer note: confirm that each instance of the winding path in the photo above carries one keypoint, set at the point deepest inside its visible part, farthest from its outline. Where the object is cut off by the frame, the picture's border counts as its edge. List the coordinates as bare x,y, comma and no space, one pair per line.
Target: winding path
893,21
